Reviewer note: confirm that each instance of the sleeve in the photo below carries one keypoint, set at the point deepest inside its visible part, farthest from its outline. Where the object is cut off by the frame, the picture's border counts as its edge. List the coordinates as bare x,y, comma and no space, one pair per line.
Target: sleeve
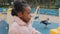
12,32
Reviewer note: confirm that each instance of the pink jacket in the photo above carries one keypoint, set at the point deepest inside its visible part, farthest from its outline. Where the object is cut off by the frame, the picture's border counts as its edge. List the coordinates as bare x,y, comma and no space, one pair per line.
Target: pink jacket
20,27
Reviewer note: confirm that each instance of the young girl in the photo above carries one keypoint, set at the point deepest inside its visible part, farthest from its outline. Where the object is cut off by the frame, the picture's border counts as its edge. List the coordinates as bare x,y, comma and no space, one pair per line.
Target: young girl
21,15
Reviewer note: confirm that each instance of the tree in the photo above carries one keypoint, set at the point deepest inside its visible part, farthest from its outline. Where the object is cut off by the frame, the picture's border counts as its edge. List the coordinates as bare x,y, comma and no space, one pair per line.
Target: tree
57,3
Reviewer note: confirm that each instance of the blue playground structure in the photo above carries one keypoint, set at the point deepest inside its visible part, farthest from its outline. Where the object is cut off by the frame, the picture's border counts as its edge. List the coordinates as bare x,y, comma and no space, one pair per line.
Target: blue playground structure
52,12
1,9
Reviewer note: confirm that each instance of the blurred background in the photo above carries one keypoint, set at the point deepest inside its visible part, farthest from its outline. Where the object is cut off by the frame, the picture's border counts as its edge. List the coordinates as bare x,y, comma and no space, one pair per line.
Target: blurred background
47,9
42,3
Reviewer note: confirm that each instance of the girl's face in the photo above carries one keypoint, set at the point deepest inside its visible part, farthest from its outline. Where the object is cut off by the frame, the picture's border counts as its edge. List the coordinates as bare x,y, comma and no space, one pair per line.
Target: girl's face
26,14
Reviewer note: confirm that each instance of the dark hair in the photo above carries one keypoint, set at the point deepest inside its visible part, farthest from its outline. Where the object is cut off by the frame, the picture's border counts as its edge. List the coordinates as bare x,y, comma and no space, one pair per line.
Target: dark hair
13,12
18,7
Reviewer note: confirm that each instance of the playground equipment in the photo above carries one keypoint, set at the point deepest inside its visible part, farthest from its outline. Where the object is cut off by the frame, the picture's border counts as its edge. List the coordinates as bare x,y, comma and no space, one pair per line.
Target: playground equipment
9,16
0,16
3,14
55,31
35,14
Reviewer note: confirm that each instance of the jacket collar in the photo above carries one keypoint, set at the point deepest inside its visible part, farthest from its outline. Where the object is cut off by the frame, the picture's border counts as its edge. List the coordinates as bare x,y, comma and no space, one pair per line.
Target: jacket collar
19,21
